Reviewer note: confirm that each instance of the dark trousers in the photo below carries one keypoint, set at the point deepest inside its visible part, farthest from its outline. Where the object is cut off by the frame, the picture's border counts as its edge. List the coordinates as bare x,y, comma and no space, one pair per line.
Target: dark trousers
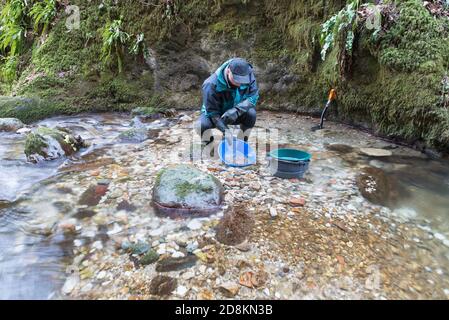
246,122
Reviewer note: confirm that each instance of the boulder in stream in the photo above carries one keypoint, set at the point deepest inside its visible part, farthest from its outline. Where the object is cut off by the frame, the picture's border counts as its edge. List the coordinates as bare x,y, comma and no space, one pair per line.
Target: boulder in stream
51,143
186,190
10,124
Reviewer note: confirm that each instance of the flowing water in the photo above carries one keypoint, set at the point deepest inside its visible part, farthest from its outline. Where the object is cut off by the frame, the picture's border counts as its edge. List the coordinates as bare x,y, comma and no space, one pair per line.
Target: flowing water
33,199
32,262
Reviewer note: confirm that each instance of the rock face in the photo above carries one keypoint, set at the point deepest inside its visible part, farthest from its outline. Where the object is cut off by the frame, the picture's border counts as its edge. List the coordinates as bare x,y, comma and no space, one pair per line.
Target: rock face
50,144
10,124
183,189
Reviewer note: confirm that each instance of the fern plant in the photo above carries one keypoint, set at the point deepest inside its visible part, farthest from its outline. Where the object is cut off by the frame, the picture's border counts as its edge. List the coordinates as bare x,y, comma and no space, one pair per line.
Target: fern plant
12,36
114,42
139,46
345,21
43,12
8,69
12,26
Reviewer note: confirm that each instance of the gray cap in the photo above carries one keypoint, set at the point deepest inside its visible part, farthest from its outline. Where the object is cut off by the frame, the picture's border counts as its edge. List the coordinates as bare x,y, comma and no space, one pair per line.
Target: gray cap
241,70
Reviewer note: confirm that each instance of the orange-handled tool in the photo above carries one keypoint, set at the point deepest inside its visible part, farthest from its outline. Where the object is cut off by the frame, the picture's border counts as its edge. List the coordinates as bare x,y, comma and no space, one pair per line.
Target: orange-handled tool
332,96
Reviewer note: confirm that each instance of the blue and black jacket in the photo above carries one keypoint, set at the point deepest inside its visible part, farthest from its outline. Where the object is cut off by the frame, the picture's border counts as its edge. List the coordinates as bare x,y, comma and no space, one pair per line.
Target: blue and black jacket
219,96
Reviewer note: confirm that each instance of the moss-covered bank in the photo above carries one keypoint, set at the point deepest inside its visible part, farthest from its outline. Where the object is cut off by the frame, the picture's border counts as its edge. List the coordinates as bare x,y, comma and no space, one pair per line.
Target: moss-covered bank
396,83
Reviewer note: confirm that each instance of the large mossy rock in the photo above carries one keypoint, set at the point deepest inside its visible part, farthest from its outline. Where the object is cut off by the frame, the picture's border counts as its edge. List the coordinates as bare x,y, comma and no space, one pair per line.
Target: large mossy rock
49,144
185,190
10,124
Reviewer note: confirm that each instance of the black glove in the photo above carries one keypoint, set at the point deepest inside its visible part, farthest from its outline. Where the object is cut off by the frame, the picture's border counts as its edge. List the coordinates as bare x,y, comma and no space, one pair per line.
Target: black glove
219,124
230,116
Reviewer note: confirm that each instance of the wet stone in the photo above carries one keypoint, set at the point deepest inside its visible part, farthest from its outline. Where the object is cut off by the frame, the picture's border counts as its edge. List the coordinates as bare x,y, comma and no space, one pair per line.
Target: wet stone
175,264
236,226
10,124
93,195
373,152
134,135
186,190
84,213
339,148
163,285
136,248
378,187
125,205
63,206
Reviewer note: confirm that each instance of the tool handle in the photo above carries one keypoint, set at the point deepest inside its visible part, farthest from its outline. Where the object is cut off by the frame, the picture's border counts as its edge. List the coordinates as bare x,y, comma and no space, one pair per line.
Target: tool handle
332,95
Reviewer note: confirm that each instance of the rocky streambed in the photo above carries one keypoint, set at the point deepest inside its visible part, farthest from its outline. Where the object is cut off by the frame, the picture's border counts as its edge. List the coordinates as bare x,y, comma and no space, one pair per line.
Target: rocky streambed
369,220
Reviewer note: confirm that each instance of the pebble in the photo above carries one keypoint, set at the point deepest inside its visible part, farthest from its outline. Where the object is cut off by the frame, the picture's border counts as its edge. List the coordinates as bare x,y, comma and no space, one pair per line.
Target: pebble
87,287
156,232
229,289
70,284
188,275
178,254
192,246
181,291
194,224
273,212
97,245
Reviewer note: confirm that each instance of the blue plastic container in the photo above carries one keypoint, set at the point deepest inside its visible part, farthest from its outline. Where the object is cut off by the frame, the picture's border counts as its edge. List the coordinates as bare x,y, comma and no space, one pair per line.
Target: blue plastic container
289,163
231,155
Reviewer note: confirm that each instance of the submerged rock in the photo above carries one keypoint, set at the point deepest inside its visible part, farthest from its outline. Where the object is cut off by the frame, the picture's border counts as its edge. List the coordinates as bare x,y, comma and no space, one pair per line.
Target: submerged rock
183,189
236,226
163,285
339,148
10,124
378,187
92,195
373,152
49,144
176,264
136,248
134,135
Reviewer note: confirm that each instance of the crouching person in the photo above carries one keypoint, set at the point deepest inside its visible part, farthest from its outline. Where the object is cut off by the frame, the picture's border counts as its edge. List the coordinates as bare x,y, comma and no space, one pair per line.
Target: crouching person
230,96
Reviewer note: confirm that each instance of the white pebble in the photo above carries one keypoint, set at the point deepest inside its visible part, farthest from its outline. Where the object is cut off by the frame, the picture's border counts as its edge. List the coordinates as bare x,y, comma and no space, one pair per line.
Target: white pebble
181,291
194,224
178,254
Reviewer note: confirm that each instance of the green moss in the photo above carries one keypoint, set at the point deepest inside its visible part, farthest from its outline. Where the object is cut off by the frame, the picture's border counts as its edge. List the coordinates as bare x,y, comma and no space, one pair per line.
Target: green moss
150,257
417,40
35,144
155,104
186,188
158,177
